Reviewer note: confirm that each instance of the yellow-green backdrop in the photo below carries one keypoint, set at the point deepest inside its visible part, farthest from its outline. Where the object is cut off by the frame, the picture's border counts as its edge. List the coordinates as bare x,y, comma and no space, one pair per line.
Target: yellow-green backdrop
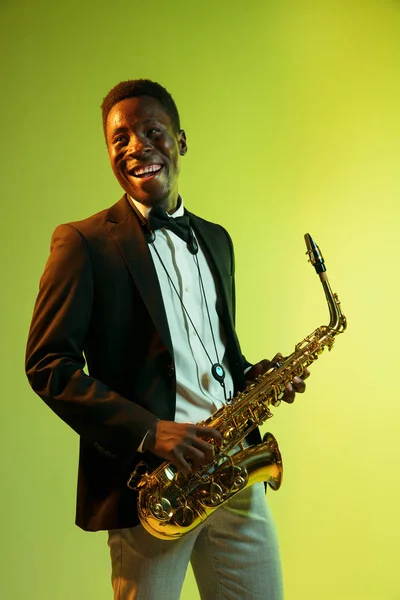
292,116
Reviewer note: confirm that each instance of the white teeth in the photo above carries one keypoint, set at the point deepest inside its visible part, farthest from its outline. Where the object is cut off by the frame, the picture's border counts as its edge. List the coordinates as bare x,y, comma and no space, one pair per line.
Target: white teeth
147,169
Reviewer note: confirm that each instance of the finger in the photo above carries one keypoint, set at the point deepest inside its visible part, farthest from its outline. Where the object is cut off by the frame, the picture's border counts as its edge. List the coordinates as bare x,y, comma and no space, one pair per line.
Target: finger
298,385
264,365
305,374
278,358
209,432
206,449
188,459
289,394
196,457
258,369
180,463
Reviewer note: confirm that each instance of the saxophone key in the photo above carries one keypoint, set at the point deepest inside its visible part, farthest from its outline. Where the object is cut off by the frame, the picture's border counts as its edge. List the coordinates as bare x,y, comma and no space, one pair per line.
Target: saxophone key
211,495
180,479
160,508
233,478
239,482
184,516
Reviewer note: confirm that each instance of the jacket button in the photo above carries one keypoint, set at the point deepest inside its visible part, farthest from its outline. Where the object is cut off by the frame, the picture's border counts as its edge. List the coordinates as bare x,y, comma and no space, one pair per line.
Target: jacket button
171,370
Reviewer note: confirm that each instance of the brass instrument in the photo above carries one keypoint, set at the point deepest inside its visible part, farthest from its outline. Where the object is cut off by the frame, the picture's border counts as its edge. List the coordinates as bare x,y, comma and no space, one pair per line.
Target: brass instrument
170,503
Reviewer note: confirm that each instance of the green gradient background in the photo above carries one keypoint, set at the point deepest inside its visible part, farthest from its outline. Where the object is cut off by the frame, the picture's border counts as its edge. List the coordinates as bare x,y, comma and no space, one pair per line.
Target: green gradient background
292,115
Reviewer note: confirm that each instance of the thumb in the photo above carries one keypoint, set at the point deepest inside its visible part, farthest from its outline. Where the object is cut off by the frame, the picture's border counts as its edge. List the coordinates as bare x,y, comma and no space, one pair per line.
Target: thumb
264,365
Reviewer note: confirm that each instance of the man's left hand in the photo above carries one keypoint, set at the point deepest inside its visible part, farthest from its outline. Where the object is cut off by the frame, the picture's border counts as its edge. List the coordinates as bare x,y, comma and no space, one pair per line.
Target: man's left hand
296,386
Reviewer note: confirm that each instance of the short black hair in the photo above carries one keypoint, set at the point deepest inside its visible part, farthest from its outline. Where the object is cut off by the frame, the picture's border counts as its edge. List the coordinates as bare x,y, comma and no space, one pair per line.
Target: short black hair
140,87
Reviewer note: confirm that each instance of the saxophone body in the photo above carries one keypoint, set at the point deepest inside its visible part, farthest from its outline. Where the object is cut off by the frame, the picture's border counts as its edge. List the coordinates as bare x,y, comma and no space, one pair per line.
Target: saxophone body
170,503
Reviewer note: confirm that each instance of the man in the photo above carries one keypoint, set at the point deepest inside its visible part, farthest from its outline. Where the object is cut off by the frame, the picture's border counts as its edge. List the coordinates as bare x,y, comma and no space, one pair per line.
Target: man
153,317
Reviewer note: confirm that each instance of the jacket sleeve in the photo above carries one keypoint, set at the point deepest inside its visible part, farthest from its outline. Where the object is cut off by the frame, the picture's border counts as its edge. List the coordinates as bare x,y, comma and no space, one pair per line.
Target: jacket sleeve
55,359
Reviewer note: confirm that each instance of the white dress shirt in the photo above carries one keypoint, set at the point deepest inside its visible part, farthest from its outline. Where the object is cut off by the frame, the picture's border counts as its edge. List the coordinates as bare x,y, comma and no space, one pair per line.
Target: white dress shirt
198,394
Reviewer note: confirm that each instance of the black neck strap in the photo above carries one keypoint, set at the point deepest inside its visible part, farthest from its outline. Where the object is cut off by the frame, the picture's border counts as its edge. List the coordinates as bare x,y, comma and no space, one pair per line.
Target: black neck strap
217,370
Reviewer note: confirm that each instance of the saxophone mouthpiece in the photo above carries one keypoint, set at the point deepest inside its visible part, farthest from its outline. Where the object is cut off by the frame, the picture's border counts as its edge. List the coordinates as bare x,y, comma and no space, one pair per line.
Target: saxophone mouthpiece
313,251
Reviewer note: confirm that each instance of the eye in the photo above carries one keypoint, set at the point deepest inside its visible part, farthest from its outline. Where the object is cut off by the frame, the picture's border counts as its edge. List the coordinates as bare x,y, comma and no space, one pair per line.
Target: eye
119,139
153,131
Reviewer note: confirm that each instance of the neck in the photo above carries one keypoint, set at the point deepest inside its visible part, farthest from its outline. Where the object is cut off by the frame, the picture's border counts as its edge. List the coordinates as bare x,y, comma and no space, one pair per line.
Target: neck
169,207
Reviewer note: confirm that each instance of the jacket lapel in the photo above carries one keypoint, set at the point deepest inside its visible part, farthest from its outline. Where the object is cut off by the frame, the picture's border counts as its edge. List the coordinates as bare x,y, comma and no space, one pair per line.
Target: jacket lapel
220,252
215,252
128,231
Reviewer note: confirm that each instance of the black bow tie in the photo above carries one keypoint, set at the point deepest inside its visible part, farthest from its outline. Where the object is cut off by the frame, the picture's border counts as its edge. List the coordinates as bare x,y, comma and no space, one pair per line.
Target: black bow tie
159,218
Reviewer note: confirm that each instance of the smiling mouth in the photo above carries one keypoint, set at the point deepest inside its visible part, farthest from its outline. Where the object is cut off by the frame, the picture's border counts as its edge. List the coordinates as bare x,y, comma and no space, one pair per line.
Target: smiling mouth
145,171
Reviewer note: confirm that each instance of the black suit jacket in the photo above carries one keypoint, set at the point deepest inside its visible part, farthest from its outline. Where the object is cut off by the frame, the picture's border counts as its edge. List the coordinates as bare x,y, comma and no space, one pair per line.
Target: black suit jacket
100,301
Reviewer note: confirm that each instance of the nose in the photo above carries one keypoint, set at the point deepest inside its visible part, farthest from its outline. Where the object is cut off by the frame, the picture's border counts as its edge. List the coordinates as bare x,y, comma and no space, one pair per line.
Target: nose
138,145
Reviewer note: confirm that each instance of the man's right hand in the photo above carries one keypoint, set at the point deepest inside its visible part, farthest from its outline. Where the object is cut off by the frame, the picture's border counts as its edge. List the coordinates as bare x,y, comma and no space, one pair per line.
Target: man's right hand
182,444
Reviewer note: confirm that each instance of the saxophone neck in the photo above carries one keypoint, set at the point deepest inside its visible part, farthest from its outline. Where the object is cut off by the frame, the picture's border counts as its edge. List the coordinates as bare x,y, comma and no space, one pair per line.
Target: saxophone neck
337,323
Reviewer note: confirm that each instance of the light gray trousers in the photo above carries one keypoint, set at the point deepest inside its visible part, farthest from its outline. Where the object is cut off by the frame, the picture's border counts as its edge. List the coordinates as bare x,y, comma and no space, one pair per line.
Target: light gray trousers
234,556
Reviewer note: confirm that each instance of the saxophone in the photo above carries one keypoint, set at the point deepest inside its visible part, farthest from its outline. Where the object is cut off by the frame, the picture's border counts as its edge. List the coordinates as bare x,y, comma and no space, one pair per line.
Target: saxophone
170,503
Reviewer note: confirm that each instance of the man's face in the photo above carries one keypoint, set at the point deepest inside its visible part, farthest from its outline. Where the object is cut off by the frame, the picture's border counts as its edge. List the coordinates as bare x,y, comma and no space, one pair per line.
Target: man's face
145,150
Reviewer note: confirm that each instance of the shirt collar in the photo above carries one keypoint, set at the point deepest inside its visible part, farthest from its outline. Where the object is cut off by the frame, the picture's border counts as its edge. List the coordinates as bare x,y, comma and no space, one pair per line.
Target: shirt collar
144,210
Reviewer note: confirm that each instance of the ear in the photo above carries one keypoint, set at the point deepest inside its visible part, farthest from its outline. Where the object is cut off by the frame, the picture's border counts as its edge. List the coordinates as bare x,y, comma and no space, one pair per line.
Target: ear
182,143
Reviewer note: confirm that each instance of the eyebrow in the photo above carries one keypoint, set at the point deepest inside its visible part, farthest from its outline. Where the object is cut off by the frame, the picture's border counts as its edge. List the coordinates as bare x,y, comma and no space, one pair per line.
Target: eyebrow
118,130
123,129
